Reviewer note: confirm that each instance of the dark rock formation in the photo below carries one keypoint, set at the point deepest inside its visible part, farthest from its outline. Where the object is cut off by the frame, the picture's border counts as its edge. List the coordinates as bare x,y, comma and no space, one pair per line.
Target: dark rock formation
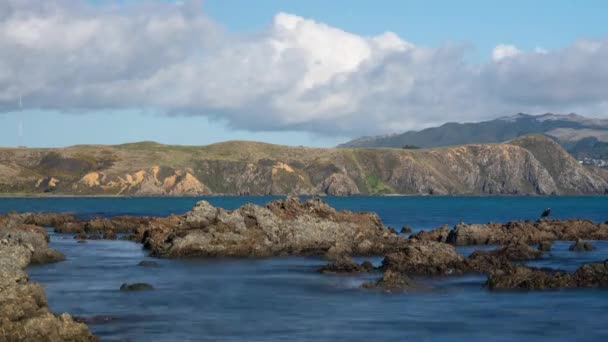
526,278
136,287
424,258
545,246
346,265
519,231
283,227
406,230
24,313
438,235
514,252
581,246
393,281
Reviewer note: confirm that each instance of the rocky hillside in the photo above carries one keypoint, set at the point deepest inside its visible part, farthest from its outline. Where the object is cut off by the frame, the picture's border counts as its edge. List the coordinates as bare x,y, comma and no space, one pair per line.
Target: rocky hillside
583,137
527,165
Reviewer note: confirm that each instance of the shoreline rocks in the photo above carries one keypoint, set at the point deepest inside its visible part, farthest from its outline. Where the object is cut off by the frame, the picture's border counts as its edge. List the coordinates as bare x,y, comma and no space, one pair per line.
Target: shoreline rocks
24,313
282,227
581,246
528,232
346,265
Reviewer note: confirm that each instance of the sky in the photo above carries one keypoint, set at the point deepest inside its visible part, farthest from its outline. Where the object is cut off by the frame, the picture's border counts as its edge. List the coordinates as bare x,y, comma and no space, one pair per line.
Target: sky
313,73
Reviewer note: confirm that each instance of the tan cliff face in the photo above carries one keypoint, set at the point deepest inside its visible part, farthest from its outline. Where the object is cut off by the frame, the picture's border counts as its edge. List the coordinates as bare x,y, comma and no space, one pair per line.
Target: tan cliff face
527,165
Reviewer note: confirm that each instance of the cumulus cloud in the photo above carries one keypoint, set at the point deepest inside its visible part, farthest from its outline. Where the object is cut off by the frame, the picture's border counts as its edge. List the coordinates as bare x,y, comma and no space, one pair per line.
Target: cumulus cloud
295,74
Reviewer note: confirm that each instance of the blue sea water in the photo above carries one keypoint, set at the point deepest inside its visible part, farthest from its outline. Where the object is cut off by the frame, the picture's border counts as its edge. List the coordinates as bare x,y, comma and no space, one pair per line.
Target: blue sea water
278,299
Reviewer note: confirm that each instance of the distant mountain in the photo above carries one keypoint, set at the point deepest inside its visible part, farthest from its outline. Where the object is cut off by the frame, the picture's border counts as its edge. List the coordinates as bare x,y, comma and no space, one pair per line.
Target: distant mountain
532,164
581,136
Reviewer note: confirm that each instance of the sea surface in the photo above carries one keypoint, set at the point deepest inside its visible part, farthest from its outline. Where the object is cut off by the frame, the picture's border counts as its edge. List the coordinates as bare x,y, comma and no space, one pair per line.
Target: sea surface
285,299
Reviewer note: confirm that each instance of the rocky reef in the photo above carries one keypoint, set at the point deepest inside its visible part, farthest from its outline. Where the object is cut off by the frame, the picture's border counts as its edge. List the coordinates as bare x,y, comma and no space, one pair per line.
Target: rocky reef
24,313
531,232
282,227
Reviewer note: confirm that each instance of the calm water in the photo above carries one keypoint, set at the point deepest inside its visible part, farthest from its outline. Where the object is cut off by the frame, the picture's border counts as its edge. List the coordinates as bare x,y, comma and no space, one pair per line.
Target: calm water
284,298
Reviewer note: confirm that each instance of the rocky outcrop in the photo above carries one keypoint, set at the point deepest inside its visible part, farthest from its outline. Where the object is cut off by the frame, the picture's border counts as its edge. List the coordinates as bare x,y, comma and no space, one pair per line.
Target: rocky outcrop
527,165
283,227
339,184
581,246
425,258
24,313
519,231
346,265
34,237
526,278
393,282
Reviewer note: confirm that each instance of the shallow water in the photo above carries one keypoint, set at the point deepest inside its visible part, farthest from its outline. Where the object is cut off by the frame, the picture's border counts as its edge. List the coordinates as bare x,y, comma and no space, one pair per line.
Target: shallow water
276,299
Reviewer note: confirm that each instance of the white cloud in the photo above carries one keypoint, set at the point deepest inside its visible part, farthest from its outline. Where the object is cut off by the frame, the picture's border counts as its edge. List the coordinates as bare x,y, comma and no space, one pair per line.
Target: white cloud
296,74
503,51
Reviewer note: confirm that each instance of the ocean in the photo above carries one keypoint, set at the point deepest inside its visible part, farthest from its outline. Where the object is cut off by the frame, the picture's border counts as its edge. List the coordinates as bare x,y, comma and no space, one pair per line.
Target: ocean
278,299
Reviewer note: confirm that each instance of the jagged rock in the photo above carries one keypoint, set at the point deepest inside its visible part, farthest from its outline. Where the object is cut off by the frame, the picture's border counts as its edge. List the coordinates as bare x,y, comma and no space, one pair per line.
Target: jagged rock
37,238
514,252
424,258
24,314
581,246
519,231
98,319
283,227
339,184
545,246
393,281
136,287
148,263
526,278
406,230
346,265
439,235
109,235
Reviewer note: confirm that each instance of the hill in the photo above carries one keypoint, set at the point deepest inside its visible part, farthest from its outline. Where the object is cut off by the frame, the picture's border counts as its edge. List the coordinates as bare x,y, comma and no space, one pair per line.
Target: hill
527,165
583,137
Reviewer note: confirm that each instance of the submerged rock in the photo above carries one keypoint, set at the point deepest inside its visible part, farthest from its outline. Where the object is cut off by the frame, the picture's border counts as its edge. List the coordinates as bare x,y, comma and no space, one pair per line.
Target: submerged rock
283,227
393,281
347,265
136,287
581,246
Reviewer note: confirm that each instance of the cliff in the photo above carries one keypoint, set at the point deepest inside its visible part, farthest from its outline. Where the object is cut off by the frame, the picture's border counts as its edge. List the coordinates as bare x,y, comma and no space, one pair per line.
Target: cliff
527,165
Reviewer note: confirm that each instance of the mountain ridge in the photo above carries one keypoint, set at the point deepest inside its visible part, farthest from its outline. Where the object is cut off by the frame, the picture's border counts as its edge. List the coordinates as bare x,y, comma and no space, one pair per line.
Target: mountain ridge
527,165
585,138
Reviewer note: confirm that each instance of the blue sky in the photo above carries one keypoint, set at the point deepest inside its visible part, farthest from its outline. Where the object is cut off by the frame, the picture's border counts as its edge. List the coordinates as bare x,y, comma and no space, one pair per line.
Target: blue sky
458,32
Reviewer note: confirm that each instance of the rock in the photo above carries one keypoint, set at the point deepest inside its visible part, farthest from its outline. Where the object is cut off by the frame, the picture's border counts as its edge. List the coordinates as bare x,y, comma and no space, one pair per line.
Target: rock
34,237
80,236
425,258
148,263
136,287
545,246
346,265
288,227
99,319
393,281
581,246
519,231
438,235
24,314
109,235
94,237
339,184
526,278
514,252
406,230
81,241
